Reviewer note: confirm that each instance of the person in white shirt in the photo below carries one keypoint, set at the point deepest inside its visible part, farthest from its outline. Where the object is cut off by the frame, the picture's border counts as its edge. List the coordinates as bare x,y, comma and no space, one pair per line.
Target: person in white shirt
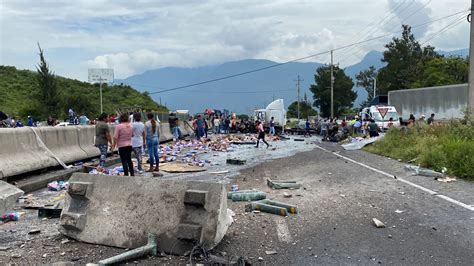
217,122
138,138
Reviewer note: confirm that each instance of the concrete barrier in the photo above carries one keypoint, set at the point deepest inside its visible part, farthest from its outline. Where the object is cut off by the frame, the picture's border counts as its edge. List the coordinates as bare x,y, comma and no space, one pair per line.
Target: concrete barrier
9,194
63,142
165,132
87,140
185,128
20,152
446,102
120,211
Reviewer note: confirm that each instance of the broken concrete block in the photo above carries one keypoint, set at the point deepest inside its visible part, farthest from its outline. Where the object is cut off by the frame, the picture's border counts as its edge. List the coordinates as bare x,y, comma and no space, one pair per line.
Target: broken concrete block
189,232
120,212
9,194
195,197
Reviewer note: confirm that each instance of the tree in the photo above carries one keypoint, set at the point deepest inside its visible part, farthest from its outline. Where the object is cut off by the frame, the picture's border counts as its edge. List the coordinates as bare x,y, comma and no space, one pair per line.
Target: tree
365,79
405,60
443,71
344,96
49,96
305,110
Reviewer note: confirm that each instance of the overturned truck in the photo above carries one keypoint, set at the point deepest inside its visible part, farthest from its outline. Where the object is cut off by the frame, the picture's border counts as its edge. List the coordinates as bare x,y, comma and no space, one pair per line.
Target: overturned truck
121,211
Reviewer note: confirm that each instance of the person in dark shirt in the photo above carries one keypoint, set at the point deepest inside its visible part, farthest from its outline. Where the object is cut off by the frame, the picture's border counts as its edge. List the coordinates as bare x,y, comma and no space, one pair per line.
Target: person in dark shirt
200,127
431,119
373,129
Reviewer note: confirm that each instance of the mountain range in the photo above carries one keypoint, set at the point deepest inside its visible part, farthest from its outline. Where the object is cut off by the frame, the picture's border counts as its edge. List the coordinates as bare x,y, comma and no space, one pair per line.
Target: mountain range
242,93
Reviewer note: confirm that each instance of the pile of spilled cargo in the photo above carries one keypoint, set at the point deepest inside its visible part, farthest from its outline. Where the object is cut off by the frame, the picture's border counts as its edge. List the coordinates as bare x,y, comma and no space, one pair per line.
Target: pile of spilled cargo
184,155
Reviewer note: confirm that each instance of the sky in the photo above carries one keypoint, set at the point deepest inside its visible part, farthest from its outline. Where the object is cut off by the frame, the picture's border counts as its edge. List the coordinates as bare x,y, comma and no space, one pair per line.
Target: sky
134,36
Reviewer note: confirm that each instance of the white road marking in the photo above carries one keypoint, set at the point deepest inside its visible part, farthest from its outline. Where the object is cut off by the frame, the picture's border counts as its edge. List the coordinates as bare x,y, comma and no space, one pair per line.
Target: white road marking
282,230
429,191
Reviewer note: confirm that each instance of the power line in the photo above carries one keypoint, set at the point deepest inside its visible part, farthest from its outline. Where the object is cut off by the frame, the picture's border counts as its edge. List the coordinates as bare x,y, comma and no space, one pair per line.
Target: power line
404,19
453,24
301,58
231,92
423,24
374,26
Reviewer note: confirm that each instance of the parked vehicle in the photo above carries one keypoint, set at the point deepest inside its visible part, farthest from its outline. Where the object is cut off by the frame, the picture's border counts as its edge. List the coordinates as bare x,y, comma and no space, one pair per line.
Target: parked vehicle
275,109
381,114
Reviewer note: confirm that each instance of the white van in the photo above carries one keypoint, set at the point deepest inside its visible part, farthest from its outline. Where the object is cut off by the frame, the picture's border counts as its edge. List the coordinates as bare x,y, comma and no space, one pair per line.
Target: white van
381,114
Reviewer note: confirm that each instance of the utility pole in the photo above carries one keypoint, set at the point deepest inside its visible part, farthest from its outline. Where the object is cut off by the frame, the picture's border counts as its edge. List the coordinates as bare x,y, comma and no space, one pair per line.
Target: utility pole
375,85
470,99
100,85
298,88
332,85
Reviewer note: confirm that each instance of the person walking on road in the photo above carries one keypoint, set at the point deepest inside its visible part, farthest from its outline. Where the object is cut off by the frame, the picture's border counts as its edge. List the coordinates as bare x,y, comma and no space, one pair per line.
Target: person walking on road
261,134
138,139
272,126
152,141
324,129
200,127
103,139
123,140
307,128
216,124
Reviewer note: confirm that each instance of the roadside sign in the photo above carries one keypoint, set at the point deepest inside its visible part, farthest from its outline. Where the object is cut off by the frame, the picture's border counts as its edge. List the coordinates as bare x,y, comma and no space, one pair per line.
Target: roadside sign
101,75
383,111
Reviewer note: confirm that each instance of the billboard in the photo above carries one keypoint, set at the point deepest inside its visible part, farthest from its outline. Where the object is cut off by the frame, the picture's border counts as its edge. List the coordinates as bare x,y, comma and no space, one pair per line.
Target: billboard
101,75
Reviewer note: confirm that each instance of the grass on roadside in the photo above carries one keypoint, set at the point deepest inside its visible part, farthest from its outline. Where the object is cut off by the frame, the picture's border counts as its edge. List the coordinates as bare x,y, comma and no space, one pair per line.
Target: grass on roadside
449,145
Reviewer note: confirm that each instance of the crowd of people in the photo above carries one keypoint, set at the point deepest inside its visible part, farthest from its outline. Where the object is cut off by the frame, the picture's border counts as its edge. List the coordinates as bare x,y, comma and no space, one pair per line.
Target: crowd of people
131,136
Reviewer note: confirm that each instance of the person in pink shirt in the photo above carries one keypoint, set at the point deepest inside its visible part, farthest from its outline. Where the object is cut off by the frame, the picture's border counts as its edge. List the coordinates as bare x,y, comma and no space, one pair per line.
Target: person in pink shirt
261,134
123,140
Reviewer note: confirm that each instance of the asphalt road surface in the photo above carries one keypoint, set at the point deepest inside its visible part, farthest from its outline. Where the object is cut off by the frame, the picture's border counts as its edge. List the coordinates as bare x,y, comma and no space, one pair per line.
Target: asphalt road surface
340,198
427,222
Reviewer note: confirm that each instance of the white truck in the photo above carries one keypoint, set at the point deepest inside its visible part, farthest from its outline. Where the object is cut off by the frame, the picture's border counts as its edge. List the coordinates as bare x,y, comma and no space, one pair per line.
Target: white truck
275,109
381,114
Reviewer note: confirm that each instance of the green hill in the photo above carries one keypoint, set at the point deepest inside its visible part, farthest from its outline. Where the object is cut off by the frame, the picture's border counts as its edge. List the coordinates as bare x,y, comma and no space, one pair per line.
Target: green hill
19,90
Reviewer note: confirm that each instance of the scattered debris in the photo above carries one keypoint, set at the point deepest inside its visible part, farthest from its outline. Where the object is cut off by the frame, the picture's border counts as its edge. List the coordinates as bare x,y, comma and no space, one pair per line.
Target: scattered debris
271,252
280,184
378,223
49,213
150,248
58,185
246,195
446,179
358,143
271,206
234,188
34,231
13,216
287,195
423,171
180,168
236,161
220,172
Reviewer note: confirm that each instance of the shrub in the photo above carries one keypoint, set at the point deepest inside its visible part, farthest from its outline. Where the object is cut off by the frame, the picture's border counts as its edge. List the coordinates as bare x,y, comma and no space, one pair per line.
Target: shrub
449,145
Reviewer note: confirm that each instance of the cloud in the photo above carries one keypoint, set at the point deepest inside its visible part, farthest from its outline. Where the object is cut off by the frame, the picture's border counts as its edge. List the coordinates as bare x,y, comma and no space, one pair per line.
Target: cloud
411,13
135,36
